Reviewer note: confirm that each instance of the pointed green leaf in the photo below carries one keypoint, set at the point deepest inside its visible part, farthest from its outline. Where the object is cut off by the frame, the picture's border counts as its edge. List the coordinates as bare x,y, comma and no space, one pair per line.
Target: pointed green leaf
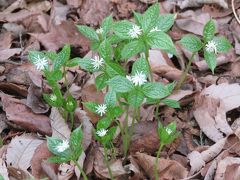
86,64
122,28
106,25
135,98
171,103
210,58
150,17
209,30
165,22
62,57
223,44
88,32
162,41
120,84
101,81
155,90
110,98
114,69
132,48
91,106
191,43
76,141
105,50
140,65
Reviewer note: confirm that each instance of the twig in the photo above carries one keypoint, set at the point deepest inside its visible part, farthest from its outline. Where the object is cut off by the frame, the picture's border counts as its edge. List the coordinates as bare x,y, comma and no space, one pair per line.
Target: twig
234,12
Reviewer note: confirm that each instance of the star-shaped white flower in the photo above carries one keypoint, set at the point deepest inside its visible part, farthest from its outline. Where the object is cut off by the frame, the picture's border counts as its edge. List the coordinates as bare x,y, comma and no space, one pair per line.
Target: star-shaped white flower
53,97
101,109
211,46
97,62
139,78
40,62
135,31
99,31
62,146
102,132
155,29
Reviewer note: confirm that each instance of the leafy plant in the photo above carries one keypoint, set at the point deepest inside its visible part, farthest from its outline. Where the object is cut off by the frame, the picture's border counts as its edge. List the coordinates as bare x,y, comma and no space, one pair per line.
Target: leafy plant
210,44
67,150
167,135
53,65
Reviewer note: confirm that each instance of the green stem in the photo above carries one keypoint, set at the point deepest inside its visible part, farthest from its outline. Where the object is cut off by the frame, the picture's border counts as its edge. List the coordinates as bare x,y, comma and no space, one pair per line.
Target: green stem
125,135
81,170
157,112
149,66
107,163
184,74
156,162
71,119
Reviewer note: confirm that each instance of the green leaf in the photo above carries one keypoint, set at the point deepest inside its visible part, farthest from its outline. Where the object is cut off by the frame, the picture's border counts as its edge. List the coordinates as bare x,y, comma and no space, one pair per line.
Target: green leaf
132,48
70,104
105,50
86,64
36,56
53,143
104,123
209,30
51,55
115,112
171,103
101,81
162,41
110,98
106,25
223,44
140,65
88,32
122,28
135,98
114,69
57,75
155,90
58,159
109,136
62,57
91,106
191,43
55,103
73,62
76,141
120,84
150,17
165,22
138,18
210,58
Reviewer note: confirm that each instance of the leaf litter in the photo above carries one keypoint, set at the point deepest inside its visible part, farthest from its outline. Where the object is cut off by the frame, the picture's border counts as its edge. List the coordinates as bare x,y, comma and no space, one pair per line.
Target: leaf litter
209,106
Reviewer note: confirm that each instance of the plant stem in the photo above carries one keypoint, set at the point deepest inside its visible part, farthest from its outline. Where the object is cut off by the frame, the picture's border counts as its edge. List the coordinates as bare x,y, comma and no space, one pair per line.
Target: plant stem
184,74
65,79
156,162
107,163
71,119
149,66
126,135
81,170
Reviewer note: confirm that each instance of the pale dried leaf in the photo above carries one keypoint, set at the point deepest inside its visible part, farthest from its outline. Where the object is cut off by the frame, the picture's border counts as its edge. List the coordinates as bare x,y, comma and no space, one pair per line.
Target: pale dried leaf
3,169
65,171
60,128
211,171
7,53
196,161
167,169
6,40
18,16
197,3
80,162
20,151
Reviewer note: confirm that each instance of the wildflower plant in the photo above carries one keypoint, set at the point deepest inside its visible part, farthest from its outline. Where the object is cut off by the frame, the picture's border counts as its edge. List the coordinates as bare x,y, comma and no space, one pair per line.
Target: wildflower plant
166,135
67,150
210,45
53,65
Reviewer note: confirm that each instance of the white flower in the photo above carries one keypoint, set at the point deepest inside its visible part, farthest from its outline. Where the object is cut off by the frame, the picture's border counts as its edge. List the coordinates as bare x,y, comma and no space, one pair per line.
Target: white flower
40,62
211,46
101,109
155,29
99,31
53,97
63,146
97,62
102,132
169,131
135,31
139,78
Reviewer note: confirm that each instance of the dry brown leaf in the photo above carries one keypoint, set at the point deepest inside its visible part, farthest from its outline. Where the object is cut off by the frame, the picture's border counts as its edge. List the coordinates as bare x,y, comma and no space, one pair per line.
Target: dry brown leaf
17,16
65,171
6,40
19,114
20,151
196,161
192,21
74,3
211,107
13,89
101,169
222,167
7,53
66,32
18,4
42,6
167,169
19,174
211,171
86,126
93,12
3,169
197,3
60,128
41,153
